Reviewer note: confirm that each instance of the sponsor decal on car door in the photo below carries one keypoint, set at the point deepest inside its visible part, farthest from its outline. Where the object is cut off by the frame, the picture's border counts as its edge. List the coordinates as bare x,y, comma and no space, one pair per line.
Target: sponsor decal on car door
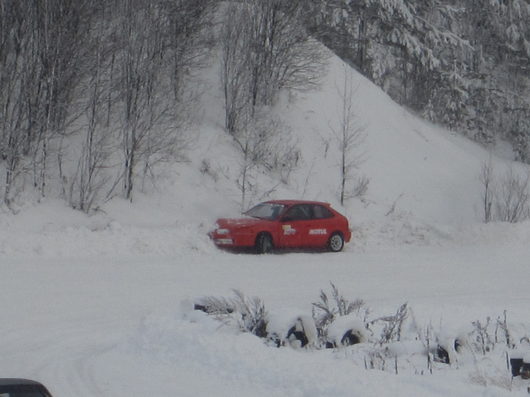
290,235
321,225
293,226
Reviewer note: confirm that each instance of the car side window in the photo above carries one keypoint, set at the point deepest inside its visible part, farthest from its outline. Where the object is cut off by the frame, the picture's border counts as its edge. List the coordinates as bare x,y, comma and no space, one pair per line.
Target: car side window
321,212
297,213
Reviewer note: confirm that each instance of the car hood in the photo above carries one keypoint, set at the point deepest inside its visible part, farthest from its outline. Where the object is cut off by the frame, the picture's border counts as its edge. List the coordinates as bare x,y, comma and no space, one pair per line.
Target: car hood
236,223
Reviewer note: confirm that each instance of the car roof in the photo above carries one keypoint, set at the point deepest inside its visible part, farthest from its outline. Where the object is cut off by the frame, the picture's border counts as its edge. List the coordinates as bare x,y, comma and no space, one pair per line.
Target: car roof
17,381
291,202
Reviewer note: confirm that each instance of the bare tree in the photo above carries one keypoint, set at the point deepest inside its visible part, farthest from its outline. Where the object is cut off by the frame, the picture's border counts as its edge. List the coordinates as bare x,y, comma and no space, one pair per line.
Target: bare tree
116,68
282,54
486,179
150,124
265,144
39,64
234,69
61,30
89,179
512,201
349,135
265,49
14,75
188,39
506,198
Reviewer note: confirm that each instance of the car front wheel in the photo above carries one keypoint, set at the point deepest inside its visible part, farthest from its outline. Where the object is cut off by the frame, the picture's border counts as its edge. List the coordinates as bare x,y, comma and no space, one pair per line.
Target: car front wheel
264,243
336,242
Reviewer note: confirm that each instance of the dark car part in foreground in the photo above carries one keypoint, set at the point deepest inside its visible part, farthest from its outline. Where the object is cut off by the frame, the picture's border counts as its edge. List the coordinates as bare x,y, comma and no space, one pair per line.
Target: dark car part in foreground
284,224
14,387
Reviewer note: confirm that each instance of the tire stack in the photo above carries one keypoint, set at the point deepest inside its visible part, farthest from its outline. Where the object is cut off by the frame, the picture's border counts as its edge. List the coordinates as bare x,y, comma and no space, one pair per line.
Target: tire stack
520,365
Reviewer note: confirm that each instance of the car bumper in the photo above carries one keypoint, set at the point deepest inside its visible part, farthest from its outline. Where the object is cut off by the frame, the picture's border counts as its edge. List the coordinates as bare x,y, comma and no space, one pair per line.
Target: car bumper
232,240
223,241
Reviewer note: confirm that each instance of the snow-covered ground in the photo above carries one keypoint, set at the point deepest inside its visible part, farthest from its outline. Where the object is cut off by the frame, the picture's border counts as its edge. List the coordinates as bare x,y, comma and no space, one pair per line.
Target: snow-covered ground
101,305
114,325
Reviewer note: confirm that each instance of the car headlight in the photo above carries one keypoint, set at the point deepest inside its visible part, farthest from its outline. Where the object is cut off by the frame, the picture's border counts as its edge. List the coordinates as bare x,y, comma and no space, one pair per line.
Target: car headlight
222,231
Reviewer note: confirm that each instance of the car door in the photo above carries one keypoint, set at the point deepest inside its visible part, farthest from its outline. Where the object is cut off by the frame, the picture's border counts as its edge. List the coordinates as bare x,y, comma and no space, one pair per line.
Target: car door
321,226
295,225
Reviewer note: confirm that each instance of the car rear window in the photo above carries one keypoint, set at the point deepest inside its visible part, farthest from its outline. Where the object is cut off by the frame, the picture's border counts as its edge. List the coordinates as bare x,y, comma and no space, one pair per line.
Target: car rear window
321,212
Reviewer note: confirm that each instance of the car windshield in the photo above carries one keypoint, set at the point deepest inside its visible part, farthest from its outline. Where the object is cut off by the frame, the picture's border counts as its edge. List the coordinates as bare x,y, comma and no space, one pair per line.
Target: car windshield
269,211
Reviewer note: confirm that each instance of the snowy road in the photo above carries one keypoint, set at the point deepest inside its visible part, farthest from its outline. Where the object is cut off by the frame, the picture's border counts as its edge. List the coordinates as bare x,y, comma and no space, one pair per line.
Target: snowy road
111,326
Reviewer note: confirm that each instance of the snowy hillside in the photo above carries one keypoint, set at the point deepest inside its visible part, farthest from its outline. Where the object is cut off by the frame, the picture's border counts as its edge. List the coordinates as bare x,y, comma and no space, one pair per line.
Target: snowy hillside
421,178
101,305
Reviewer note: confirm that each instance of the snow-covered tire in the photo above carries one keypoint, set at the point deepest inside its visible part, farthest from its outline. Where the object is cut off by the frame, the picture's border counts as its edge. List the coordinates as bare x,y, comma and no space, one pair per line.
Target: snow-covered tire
351,337
346,330
264,243
336,242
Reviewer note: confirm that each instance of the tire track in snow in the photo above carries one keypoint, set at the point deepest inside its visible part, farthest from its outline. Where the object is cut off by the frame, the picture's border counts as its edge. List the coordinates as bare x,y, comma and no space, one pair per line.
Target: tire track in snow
65,360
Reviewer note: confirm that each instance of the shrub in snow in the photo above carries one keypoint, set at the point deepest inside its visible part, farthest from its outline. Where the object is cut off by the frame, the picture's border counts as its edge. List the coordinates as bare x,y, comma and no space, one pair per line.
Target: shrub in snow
502,333
215,306
392,325
327,311
341,322
249,314
481,339
253,314
494,352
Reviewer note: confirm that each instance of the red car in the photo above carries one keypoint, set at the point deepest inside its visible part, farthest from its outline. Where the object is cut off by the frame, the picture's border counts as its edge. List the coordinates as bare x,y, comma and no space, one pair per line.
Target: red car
284,224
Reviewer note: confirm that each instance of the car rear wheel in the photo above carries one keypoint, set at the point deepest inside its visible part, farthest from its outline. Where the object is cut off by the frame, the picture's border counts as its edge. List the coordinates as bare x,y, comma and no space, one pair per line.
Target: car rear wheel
264,243
336,242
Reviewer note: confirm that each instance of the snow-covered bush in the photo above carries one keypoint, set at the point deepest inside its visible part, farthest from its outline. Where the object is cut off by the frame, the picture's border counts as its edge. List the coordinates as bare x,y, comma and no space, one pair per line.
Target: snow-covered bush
392,325
328,310
482,341
493,351
286,328
249,314
341,321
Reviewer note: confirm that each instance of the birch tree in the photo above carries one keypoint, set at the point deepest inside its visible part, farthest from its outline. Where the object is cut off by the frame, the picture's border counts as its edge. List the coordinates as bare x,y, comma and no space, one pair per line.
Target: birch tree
349,136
